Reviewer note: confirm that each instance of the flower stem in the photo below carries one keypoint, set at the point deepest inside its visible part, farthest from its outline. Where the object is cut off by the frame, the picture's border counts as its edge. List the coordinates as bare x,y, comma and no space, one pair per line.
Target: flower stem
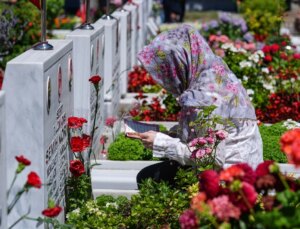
20,219
11,185
246,202
15,200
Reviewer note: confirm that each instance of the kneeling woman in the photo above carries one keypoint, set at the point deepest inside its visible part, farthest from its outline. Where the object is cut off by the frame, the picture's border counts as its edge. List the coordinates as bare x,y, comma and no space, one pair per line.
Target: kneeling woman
181,61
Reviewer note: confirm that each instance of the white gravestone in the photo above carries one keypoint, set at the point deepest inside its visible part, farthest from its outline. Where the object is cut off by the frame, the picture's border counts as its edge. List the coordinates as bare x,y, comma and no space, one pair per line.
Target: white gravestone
133,9
3,189
111,64
39,100
124,18
88,45
143,18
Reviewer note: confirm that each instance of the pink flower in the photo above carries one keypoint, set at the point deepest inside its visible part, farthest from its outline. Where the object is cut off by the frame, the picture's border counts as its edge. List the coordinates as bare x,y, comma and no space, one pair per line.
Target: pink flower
110,121
247,200
210,140
221,134
200,153
208,150
223,39
188,220
263,168
198,142
104,152
209,183
223,209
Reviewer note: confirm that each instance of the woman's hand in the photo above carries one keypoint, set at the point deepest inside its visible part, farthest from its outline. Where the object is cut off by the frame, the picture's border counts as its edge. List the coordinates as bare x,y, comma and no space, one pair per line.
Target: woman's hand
148,138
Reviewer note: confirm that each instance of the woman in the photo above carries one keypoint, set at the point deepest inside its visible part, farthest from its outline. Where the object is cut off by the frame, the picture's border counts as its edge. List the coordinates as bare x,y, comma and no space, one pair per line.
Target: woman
181,61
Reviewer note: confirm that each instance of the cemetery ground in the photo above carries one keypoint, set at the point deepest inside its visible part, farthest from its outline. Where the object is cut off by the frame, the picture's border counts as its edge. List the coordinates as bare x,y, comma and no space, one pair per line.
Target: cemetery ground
64,157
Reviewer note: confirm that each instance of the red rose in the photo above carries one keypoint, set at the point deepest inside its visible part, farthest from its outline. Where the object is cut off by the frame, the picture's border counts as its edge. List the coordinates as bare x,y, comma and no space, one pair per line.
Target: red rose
76,168
52,212
263,168
86,141
209,183
95,79
76,144
21,159
76,122
34,180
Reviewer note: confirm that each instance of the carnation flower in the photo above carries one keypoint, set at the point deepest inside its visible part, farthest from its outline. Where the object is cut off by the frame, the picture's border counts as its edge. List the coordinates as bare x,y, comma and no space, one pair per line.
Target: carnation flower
52,212
110,121
231,173
209,183
76,122
290,145
249,174
221,134
223,209
198,202
265,182
103,139
210,140
76,168
245,198
263,168
188,220
33,180
22,160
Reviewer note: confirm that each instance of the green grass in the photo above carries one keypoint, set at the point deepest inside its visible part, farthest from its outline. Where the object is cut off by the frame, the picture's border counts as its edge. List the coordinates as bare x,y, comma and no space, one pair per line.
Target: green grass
191,16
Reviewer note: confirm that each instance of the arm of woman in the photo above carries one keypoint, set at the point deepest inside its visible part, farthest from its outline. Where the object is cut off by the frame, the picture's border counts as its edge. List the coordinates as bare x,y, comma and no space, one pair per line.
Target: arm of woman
165,146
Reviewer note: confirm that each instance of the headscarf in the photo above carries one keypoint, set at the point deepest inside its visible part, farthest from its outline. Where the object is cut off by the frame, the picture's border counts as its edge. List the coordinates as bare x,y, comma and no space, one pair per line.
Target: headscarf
181,61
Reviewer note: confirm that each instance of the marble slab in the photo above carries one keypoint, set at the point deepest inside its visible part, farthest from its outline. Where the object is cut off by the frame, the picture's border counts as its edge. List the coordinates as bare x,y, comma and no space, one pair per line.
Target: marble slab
124,18
142,18
133,9
3,186
111,63
39,99
88,45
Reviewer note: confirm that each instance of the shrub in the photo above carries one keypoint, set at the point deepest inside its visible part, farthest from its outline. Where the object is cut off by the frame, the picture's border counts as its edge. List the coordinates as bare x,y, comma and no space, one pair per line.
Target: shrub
124,148
157,206
271,136
263,17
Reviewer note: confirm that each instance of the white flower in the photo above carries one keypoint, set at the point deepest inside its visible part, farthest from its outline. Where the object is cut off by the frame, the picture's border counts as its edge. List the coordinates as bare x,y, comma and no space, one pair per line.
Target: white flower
254,57
260,53
76,211
227,46
265,70
245,64
292,80
250,92
245,78
112,204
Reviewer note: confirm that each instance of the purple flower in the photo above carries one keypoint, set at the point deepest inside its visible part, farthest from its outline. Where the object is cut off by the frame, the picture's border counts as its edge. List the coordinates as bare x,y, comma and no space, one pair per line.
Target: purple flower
225,17
213,24
248,37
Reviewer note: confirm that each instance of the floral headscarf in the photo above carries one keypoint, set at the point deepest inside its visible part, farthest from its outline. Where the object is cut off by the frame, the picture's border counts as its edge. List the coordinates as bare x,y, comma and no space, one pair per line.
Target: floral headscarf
182,62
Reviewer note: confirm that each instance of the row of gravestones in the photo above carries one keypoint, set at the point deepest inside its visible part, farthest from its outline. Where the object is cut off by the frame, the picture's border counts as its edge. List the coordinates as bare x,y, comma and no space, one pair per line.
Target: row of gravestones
44,88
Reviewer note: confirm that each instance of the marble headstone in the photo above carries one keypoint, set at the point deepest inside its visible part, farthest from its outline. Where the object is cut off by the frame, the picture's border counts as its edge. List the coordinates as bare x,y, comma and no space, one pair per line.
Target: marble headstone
111,74
133,9
3,189
124,18
39,100
142,29
88,47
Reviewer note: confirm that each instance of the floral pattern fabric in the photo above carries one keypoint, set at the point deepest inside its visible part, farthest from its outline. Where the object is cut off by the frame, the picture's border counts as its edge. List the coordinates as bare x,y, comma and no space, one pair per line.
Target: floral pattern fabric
182,62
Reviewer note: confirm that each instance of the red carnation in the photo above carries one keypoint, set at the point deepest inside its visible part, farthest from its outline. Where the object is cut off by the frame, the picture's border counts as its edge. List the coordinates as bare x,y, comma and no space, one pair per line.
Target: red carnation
266,49
263,168
103,139
52,212
110,121
86,141
33,180
76,144
76,122
76,168
95,79
209,183
268,58
21,159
